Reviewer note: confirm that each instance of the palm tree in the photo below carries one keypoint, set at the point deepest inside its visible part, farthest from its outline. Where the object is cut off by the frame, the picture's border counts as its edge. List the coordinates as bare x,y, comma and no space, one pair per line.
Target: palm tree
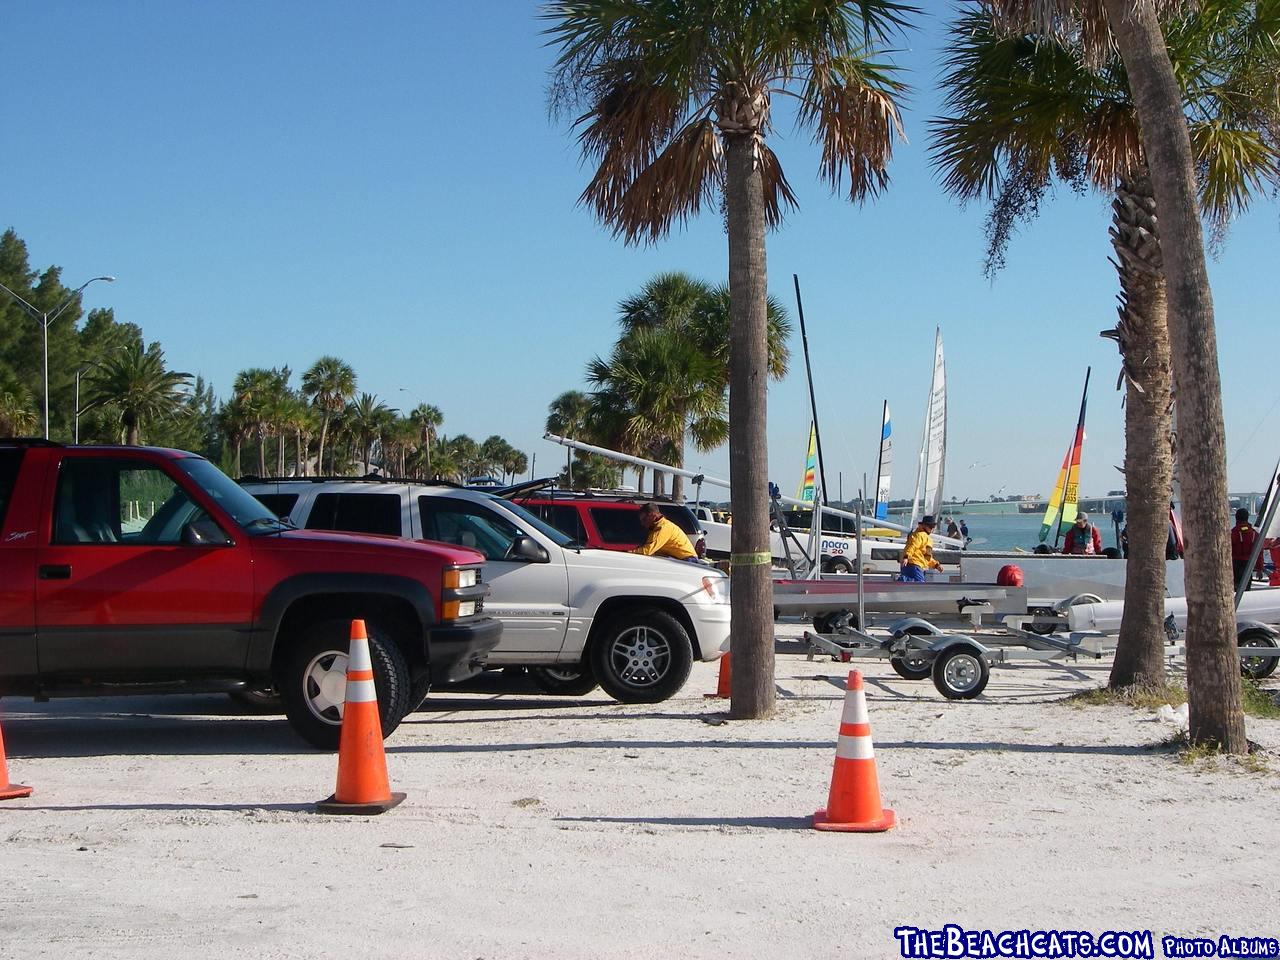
329,383
1025,108
234,424
673,101
138,384
567,417
670,388
365,418
260,393
427,419
1213,669
514,463
18,416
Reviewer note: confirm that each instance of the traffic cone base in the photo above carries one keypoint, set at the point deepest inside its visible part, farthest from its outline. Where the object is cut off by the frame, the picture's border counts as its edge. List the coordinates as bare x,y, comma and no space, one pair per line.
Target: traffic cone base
853,805
887,821
332,805
724,685
362,785
10,791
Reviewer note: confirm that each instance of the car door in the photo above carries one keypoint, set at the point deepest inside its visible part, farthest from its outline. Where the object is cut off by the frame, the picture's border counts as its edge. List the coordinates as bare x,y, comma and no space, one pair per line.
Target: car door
118,591
17,568
530,597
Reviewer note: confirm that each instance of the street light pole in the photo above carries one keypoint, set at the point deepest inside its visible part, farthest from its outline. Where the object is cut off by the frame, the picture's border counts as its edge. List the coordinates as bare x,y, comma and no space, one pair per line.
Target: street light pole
45,319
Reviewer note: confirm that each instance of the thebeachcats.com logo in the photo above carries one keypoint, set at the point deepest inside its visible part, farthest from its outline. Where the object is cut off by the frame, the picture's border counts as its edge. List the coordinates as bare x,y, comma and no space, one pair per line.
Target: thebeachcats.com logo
955,941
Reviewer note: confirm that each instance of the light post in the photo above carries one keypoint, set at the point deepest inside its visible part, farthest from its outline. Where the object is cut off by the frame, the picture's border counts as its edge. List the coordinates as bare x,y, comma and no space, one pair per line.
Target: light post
45,318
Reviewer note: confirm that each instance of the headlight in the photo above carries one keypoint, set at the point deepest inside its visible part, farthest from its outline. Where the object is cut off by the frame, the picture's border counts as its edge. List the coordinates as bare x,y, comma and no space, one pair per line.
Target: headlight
455,579
717,588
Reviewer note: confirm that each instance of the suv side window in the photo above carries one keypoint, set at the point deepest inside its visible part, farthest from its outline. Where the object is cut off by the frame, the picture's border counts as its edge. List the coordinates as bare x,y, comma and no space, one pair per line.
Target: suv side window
119,501
467,524
617,525
355,513
281,504
10,461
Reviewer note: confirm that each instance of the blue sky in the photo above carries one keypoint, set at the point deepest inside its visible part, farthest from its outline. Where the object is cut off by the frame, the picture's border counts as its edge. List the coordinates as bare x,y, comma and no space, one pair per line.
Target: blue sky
273,182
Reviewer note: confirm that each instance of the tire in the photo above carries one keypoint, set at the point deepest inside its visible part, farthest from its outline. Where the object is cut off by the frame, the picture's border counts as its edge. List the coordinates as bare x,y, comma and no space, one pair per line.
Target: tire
960,672
419,687
642,656
1041,629
573,680
911,667
839,565
312,683
1257,667
822,623
262,700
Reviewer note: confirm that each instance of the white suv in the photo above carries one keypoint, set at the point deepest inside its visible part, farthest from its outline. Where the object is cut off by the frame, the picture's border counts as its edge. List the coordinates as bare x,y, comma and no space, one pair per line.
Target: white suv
574,616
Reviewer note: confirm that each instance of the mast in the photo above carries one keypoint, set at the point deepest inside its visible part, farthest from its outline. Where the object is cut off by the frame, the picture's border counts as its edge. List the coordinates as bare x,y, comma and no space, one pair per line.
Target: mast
813,403
884,424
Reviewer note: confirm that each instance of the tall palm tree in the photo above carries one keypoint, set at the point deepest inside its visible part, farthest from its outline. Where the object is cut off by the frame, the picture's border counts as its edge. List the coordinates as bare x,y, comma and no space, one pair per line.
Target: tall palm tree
329,383
673,102
139,386
261,393
234,424
1213,670
567,417
1026,107
427,419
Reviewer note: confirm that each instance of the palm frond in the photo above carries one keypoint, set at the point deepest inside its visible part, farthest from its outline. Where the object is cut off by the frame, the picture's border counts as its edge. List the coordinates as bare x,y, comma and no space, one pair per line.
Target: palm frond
668,190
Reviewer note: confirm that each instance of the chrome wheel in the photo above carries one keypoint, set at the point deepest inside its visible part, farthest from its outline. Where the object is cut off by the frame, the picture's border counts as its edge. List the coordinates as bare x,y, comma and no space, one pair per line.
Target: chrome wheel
641,656
962,673
325,685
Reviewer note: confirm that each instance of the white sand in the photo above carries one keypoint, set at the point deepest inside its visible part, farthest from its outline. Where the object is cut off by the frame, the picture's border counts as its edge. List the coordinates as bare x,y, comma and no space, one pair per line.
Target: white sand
545,827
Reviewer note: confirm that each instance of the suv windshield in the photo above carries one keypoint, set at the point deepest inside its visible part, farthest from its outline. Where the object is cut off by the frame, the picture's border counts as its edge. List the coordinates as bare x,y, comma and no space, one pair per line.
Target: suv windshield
251,515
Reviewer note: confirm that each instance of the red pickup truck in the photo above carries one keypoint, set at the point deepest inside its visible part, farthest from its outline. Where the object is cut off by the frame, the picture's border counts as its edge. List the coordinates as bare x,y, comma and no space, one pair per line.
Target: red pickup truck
144,570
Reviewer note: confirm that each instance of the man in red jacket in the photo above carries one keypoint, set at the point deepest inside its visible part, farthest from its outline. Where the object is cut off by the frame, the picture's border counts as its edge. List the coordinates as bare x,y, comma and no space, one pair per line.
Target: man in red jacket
1243,537
1083,538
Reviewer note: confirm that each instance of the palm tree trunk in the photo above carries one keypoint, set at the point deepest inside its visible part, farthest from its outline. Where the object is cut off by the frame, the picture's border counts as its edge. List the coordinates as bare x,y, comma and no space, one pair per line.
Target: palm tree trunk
262,452
132,435
298,453
1213,667
1143,337
239,471
677,460
280,453
324,432
751,590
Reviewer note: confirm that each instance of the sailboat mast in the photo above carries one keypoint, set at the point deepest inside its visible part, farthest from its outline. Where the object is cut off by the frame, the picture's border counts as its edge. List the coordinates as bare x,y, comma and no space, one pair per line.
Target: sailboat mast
813,403
884,415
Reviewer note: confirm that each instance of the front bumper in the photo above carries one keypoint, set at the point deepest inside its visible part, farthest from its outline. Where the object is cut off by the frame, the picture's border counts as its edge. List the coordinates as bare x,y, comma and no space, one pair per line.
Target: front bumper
458,650
711,623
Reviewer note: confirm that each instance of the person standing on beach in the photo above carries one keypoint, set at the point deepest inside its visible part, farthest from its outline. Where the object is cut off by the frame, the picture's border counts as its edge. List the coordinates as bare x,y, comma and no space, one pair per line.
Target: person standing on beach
1083,539
1243,537
917,555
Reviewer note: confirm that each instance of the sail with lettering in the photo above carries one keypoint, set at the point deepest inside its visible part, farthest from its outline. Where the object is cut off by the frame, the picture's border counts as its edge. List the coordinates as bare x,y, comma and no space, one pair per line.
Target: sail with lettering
886,466
1062,508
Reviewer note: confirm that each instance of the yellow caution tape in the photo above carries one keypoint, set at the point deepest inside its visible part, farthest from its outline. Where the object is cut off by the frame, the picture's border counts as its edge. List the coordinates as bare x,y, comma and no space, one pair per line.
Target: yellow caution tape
764,558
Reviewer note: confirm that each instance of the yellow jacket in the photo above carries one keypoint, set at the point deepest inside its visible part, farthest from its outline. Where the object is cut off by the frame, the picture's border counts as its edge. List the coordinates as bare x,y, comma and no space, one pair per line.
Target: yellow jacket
919,551
667,540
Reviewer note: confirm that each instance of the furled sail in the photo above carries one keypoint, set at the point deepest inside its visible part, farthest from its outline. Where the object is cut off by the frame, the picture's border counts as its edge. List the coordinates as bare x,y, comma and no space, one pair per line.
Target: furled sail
886,466
810,467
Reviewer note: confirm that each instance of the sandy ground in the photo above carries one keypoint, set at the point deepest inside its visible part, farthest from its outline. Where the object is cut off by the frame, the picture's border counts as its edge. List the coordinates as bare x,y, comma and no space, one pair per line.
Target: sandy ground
546,827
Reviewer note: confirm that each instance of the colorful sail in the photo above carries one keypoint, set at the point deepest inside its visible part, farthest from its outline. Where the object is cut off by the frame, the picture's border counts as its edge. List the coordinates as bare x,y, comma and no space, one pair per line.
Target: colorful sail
810,468
1063,503
886,466
933,445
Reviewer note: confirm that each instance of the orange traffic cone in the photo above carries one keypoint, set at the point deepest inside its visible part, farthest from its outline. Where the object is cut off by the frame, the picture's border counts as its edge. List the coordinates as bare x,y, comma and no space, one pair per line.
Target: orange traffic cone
724,686
362,763
9,791
854,802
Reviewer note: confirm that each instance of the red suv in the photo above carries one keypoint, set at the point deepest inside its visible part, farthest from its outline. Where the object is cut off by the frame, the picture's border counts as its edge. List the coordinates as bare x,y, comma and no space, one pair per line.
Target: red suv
608,521
143,570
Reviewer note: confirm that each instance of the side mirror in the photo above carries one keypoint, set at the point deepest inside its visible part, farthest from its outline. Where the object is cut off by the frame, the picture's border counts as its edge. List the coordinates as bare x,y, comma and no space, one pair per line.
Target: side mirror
524,547
204,533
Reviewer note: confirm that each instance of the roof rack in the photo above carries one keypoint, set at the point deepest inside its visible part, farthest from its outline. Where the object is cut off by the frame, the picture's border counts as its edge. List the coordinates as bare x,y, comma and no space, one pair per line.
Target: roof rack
593,495
367,478
29,442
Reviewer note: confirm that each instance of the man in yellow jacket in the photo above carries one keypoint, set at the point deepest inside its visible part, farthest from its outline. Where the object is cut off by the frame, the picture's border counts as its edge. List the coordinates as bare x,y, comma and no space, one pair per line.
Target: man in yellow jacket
917,555
664,538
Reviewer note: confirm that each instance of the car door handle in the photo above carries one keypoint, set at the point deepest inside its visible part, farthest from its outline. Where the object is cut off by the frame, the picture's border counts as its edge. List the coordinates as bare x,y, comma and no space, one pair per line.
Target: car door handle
55,571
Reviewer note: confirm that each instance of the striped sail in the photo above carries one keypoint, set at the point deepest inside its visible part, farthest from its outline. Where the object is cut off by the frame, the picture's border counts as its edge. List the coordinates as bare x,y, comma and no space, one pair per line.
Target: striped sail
810,468
886,466
1062,508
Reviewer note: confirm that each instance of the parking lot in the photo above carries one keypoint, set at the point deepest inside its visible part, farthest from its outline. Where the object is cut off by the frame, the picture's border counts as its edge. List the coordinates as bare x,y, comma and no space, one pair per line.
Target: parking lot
538,826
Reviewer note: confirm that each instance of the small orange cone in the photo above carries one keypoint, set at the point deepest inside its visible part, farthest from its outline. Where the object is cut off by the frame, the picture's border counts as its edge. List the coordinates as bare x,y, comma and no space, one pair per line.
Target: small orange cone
854,802
9,791
724,686
362,763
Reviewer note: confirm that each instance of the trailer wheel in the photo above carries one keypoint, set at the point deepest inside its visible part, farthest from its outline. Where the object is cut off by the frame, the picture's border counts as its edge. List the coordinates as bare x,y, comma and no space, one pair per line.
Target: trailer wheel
1042,629
1257,667
960,672
911,667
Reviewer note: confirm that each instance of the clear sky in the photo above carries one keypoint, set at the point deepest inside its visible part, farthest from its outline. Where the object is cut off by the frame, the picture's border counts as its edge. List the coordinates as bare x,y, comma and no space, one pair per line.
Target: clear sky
271,182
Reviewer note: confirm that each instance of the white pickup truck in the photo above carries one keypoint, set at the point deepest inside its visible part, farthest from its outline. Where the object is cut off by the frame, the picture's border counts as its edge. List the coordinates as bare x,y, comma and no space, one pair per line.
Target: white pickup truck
574,616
